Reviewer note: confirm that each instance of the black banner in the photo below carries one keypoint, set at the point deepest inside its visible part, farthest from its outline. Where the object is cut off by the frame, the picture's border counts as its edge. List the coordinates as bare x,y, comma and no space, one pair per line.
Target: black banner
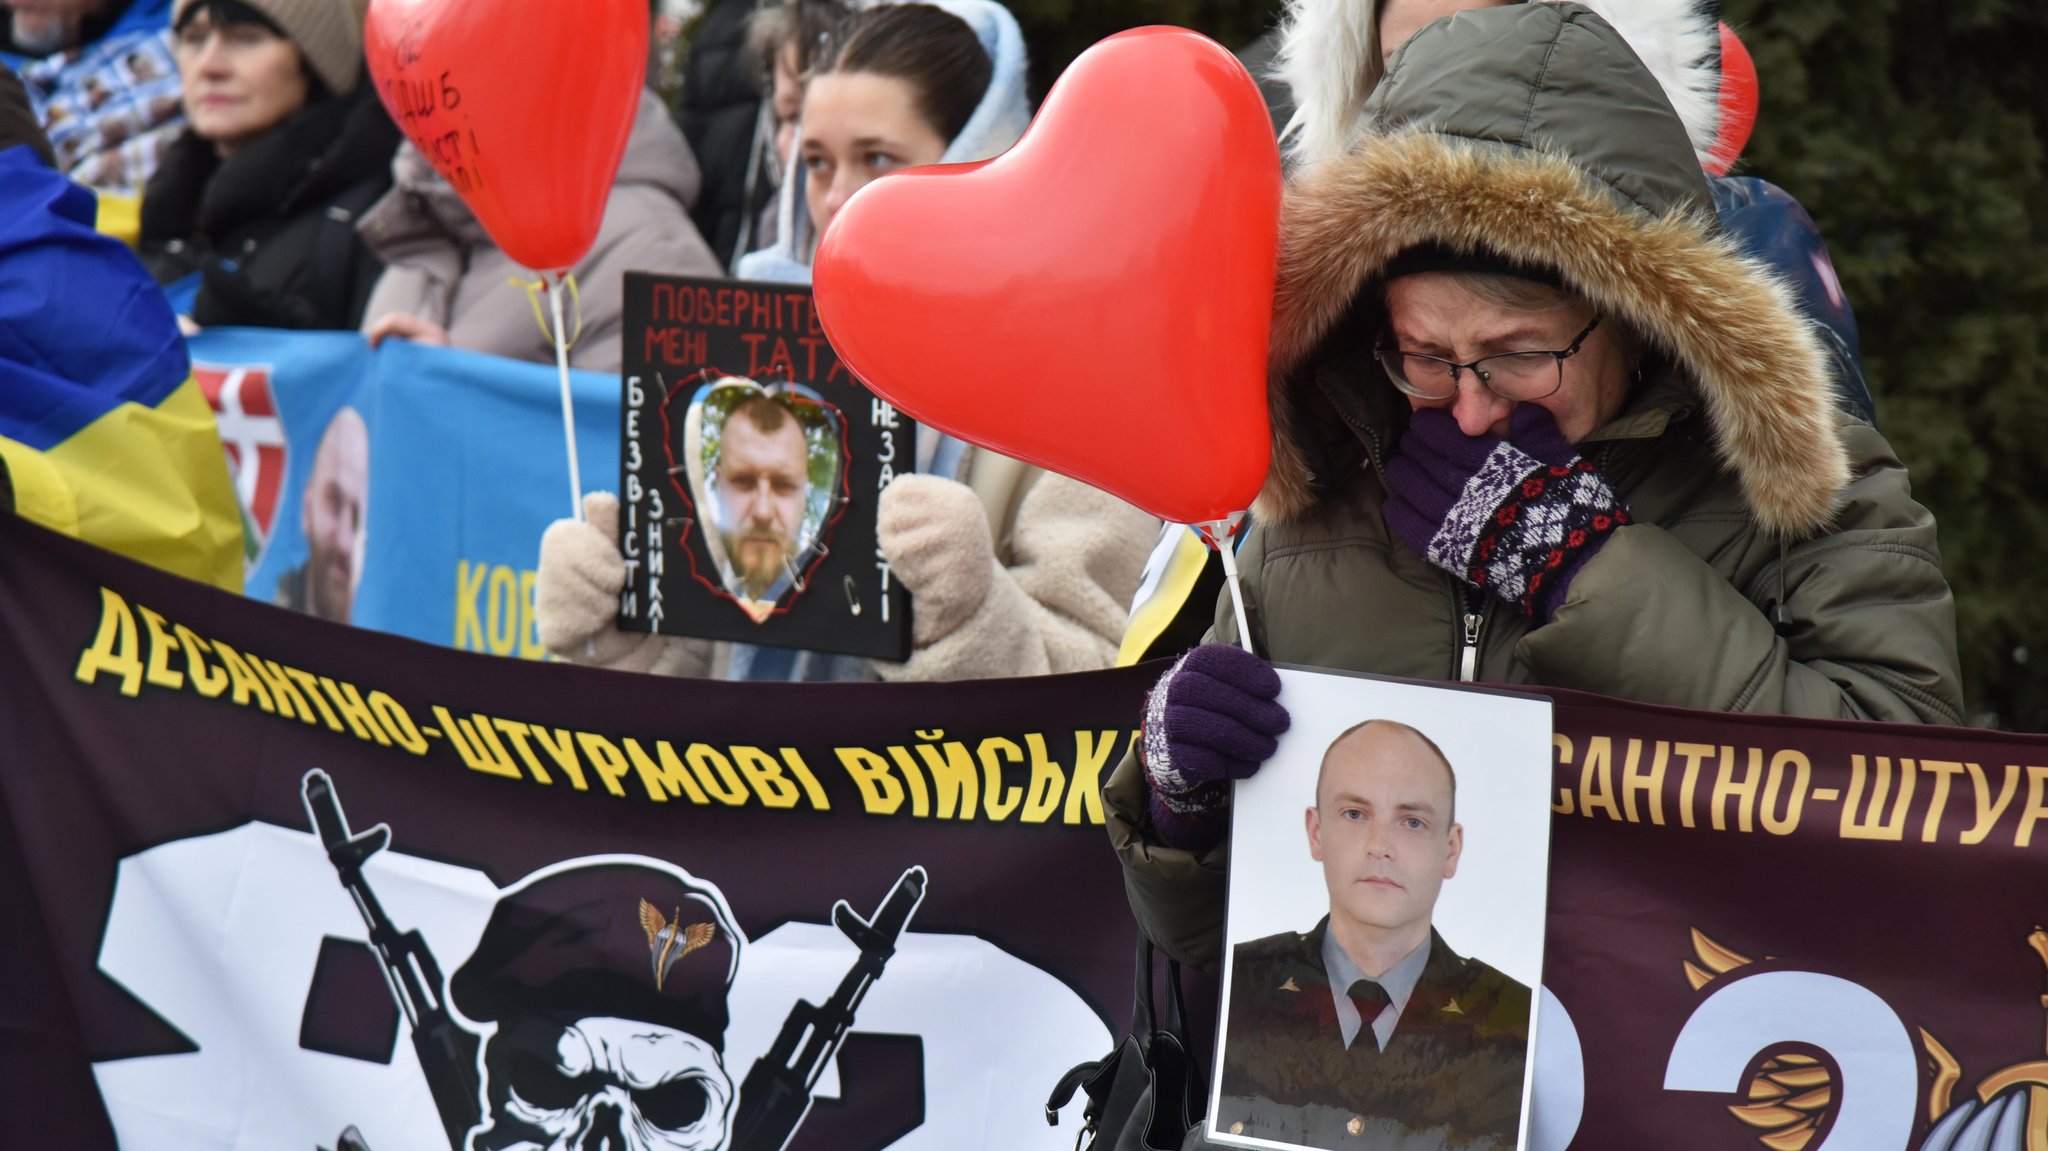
880,915
181,938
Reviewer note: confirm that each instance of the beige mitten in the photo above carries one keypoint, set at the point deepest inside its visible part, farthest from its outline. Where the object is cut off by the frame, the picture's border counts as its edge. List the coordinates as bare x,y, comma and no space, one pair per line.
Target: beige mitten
581,575
935,536
970,620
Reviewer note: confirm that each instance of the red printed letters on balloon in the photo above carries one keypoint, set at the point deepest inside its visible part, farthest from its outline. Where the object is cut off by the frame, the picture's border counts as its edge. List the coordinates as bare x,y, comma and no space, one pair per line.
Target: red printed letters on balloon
523,108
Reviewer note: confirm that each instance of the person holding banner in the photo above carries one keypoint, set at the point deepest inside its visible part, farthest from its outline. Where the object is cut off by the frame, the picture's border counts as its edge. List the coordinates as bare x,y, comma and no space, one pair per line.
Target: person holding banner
1537,423
1333,53
259,195
1012,570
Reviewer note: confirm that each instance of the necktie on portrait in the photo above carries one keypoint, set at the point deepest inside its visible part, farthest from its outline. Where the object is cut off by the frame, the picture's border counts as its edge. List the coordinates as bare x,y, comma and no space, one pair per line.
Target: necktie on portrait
1370,999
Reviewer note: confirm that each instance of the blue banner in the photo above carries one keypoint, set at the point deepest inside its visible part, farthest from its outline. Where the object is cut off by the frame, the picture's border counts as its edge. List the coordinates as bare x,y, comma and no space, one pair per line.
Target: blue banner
403,489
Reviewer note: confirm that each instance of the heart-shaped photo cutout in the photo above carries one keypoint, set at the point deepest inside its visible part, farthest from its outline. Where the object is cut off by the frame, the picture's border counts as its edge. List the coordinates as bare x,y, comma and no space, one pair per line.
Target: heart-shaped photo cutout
764,468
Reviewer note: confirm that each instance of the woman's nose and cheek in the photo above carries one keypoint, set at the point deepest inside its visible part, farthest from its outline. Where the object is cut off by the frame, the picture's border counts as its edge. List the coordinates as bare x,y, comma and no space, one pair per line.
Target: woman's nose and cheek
844,184
1478,411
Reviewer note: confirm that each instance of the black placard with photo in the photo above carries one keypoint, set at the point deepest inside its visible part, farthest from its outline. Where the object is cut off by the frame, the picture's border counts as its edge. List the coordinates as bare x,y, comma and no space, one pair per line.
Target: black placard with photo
751,466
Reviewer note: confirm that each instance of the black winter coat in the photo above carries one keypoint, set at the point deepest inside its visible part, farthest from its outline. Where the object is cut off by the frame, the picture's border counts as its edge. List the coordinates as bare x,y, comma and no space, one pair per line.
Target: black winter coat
719,111
272,227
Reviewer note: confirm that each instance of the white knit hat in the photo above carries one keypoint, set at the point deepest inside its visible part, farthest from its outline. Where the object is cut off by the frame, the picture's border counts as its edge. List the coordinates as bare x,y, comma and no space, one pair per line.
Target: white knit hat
328,33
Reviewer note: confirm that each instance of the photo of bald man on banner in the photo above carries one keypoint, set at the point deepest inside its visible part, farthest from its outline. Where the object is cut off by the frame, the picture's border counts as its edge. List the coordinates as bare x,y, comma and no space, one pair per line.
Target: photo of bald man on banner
1386,922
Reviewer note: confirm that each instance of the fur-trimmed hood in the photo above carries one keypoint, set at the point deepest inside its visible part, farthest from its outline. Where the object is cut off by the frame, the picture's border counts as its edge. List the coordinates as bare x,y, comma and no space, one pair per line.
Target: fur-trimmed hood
1535,132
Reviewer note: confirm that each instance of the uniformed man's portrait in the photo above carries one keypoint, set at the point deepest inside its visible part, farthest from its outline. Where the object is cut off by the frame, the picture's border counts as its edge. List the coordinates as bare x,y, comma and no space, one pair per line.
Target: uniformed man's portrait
1370,1029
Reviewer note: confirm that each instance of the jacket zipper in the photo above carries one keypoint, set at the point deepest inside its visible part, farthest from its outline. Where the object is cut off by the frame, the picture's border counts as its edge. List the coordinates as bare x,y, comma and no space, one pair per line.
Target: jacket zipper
1468,649
1473,616
1475,603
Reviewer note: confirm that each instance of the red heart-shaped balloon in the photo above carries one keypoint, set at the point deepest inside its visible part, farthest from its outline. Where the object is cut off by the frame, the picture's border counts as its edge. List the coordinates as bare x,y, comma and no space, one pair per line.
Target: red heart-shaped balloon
524,108
1096,300
1737,105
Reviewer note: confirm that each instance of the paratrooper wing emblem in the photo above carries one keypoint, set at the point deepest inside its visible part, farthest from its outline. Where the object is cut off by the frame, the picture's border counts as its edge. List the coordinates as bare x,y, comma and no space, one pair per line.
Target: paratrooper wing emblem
668,942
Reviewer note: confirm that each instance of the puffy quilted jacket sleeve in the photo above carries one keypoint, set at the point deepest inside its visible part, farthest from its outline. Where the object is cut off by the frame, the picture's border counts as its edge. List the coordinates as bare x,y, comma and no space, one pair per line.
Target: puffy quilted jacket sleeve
1868,626
1177,895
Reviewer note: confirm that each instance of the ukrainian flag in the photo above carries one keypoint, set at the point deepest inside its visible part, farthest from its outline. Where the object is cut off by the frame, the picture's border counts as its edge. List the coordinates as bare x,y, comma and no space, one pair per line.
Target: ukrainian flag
103,433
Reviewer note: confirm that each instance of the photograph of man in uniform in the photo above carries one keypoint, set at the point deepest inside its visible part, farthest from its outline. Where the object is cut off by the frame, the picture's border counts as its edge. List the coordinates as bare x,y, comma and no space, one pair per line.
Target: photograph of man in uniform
331,516
762,484
1368,1030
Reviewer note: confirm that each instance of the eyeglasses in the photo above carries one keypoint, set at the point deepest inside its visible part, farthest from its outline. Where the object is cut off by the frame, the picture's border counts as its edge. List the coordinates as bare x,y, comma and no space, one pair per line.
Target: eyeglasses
1514,376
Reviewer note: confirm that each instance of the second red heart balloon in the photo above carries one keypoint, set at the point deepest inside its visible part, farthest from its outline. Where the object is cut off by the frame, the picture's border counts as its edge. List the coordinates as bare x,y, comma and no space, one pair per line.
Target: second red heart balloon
1095,301
524,108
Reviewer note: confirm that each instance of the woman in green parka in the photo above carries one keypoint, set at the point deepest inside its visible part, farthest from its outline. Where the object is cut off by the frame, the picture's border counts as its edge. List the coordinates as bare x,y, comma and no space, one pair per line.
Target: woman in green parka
1536,422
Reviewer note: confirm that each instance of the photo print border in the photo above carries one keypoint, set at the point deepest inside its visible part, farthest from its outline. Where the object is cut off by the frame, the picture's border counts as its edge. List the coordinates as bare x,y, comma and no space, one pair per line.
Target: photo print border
1491,916
682,336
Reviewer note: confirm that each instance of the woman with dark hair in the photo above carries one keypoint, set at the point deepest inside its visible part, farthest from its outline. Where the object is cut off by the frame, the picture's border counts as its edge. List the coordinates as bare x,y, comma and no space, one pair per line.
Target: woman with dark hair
284,147
899,86
1013,571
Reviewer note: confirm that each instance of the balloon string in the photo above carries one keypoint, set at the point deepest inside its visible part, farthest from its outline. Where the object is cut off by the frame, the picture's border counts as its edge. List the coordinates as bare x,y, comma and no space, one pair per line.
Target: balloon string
534,288
568,407
1217,534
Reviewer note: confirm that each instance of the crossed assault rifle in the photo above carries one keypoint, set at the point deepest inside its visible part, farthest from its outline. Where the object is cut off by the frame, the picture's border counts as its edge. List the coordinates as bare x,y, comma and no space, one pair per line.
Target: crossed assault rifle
774,1097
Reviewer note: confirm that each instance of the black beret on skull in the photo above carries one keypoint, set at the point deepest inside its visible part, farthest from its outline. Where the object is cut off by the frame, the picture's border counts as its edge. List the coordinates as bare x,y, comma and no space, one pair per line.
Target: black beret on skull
624,940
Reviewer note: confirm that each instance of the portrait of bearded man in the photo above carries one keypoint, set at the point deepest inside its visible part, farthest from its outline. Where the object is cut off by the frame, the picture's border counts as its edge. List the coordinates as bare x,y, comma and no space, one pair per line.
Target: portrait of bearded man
762,483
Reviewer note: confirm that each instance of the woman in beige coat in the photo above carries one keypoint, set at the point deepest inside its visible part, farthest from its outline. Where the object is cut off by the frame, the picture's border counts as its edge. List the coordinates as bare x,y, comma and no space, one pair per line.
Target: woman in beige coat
445,282
1012,570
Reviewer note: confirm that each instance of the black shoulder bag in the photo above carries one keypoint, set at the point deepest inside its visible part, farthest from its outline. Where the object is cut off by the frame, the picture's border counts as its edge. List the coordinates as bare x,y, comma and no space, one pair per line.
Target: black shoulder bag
1141,1096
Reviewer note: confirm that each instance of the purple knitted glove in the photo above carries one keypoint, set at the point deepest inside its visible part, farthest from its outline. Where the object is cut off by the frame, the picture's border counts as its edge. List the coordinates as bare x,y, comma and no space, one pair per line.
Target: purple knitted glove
1516,517
1211,718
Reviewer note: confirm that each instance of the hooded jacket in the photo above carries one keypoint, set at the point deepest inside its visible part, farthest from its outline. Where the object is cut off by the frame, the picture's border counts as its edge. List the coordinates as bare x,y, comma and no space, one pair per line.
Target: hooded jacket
1328,60
1776,562
272,227
1327,63
441,265
995,124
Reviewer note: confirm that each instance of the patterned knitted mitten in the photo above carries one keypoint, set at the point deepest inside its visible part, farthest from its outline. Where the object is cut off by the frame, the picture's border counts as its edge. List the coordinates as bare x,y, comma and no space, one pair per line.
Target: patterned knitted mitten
1213,717
1515,517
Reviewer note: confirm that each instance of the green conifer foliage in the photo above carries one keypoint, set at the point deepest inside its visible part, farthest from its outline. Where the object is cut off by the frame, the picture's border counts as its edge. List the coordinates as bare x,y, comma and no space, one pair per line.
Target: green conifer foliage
1059,30
1913,133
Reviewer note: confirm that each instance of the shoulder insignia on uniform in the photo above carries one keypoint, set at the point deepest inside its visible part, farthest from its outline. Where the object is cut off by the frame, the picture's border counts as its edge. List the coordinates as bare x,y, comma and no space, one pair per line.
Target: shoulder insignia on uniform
1290,985
1452,1008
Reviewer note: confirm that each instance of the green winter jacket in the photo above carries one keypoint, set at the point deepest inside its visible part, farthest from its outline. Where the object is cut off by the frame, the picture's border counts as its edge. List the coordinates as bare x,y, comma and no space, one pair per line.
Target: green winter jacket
1776,563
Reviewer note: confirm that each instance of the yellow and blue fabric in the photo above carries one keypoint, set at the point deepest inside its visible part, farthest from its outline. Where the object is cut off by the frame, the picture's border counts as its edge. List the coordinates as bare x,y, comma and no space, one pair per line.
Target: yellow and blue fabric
103,433
1176,600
